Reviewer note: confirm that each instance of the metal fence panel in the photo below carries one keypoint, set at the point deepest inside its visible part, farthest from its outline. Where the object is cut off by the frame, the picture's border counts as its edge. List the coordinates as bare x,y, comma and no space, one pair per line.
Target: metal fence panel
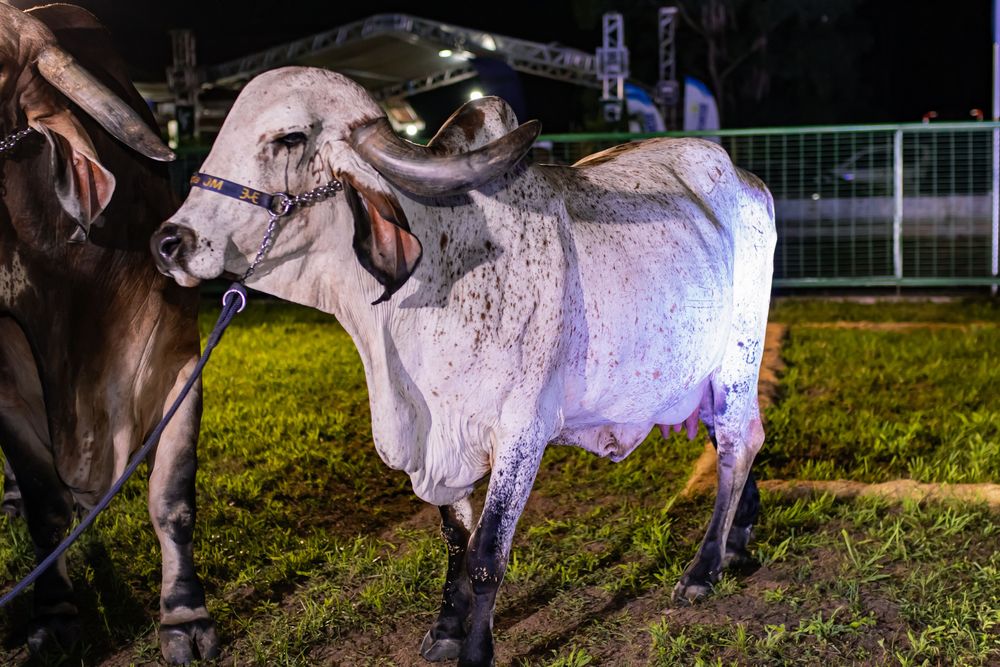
860,205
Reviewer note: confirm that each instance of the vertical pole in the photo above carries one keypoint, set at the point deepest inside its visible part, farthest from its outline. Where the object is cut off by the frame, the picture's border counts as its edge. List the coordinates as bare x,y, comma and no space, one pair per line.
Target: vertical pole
897,212
995,263
667,88
612,66
182,75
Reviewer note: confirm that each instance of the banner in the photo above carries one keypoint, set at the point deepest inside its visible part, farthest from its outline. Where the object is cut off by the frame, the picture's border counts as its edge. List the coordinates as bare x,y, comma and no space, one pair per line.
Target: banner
643,115
700,111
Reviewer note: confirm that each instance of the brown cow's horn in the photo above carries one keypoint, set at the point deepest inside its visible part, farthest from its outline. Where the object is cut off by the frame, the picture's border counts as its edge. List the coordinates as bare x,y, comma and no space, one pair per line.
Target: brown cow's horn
418,170
79,85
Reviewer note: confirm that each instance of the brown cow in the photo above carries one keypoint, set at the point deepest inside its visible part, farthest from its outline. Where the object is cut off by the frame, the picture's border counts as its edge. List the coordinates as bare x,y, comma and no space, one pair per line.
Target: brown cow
93,340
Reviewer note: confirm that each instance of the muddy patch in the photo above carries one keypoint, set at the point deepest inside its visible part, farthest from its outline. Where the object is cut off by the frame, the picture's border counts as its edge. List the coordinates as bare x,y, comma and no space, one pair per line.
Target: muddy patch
896,490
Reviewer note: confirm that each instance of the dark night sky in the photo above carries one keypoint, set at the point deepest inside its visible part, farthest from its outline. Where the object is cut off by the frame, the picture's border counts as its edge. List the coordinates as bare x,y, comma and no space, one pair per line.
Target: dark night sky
917,55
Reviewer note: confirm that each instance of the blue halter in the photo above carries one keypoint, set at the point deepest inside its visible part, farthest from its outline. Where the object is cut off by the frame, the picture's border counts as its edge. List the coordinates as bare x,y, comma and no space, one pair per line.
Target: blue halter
279,203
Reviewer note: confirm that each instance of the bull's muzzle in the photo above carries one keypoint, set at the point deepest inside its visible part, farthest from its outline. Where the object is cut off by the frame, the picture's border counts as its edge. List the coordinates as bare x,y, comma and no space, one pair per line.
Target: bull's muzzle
169,244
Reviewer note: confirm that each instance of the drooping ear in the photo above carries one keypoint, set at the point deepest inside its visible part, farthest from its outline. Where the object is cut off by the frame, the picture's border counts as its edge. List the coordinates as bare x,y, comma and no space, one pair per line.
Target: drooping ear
382,239
83,186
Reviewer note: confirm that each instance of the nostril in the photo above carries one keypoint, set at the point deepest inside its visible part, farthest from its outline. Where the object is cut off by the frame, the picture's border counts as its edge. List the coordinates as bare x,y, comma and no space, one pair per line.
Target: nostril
169,246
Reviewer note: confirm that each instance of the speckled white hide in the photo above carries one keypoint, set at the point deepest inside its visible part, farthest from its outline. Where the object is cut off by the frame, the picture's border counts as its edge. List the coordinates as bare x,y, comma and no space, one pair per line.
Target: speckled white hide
581,305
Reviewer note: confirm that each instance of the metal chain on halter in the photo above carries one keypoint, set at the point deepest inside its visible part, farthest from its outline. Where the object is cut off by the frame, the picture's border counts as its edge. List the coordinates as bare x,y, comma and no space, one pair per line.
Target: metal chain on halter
9,142
282,205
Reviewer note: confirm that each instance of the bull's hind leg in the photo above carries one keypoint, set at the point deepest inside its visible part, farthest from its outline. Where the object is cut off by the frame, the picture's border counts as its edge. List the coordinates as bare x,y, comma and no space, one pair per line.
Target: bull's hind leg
737,554
739,436
734,417
187,631
734,413
444,640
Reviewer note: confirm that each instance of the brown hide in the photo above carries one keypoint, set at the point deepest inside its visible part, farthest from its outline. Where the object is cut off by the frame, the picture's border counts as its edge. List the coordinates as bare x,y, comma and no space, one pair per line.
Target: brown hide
109,334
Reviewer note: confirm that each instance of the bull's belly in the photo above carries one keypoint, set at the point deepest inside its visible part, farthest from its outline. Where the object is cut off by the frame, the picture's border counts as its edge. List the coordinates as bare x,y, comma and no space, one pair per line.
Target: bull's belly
647,336
645,372
653,374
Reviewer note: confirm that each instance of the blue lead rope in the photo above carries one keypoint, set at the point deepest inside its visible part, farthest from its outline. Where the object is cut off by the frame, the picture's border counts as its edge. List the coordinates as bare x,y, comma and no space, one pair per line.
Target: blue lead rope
233,301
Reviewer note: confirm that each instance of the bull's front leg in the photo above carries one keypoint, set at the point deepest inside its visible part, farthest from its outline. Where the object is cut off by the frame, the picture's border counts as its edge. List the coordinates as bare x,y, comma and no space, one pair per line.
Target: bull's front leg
48,508
187,631
444,640
515,465
11,504
46,502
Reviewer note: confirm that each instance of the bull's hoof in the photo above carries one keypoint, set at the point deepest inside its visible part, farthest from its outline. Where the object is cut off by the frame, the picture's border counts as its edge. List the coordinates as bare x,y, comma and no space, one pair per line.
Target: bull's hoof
740,561
12,508
184,642
439,650
12,505
686,593
53,633
486,662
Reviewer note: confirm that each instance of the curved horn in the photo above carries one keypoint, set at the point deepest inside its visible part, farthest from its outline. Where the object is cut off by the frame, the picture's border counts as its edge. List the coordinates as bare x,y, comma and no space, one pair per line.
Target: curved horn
418,170
119,119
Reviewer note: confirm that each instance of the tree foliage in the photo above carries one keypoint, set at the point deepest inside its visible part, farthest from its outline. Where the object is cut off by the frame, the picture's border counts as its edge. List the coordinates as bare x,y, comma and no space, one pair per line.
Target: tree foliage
767,61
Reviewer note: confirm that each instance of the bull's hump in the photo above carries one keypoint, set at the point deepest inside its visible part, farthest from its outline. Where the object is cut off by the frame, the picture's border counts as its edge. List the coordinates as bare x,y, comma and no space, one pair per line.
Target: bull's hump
658,164
474,125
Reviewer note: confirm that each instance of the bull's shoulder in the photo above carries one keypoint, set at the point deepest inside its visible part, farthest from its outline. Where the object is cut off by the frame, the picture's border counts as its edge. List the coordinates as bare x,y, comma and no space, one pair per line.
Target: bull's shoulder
474,124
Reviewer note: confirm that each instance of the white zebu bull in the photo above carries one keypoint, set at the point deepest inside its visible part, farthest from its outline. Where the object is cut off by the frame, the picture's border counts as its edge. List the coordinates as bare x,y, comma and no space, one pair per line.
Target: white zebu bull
578,305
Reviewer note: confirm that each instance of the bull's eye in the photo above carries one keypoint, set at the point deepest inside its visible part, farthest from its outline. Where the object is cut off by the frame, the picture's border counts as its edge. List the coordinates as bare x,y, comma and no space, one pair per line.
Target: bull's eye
292,139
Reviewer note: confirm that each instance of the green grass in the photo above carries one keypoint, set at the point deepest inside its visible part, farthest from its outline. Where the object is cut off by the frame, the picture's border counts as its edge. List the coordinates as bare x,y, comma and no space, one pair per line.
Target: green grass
853,583
798,310
877,405
313,552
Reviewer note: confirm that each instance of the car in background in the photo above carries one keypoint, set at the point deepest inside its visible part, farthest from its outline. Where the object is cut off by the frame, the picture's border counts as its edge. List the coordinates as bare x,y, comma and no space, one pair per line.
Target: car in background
870,172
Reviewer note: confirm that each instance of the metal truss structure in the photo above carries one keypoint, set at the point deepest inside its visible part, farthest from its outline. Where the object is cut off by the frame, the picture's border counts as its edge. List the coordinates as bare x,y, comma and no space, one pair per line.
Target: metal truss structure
439,79
552,61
